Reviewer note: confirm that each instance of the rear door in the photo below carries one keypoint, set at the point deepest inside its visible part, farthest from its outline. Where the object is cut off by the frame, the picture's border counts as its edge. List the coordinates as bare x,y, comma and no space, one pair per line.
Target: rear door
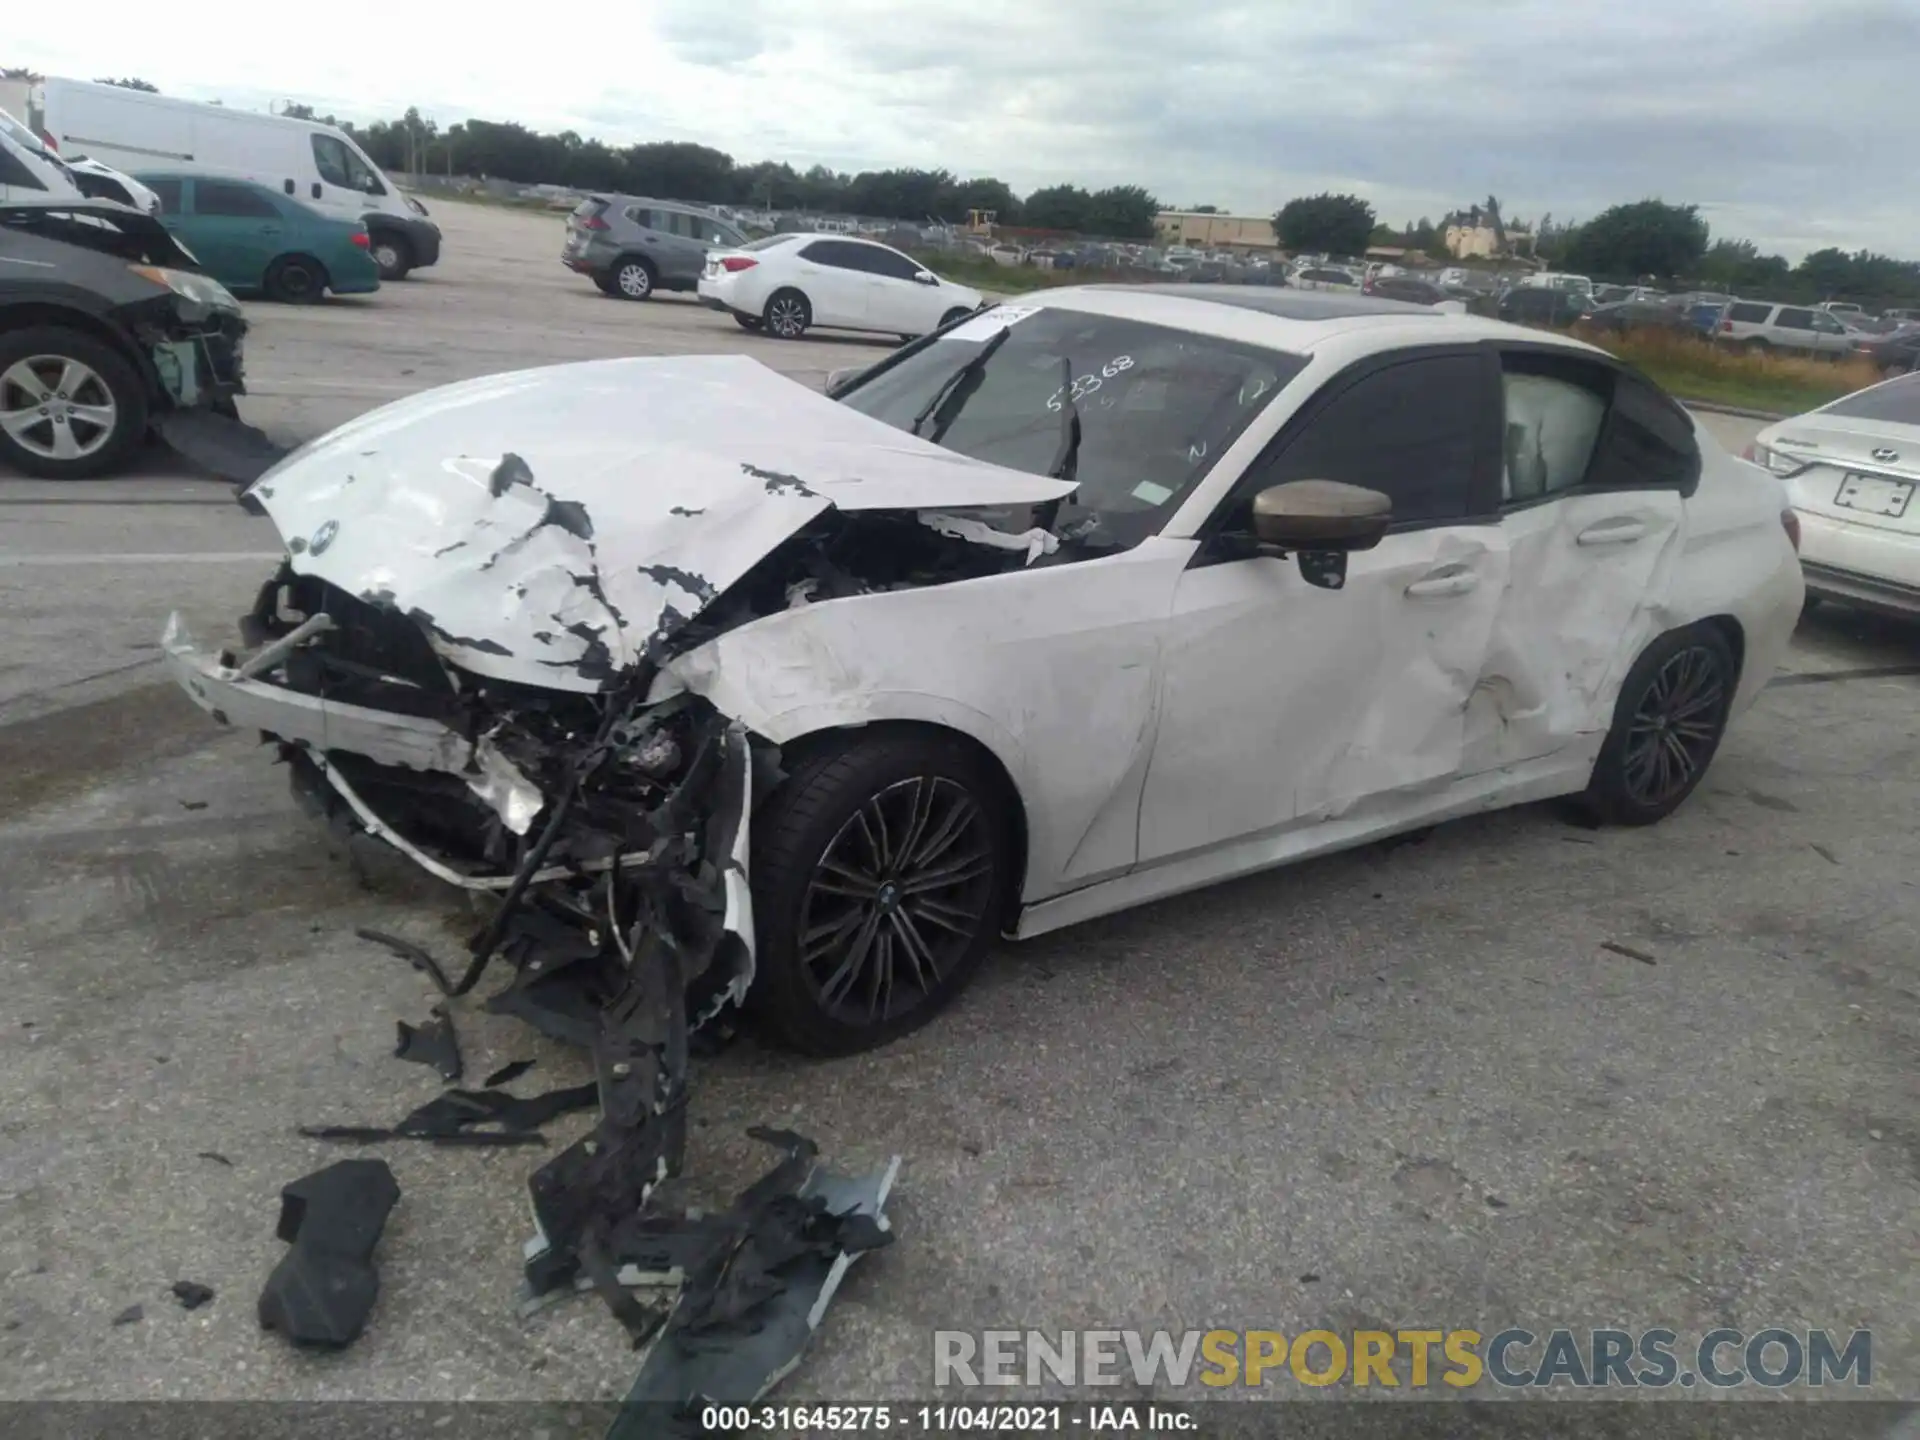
831,275
237,231
1595,468
1793,328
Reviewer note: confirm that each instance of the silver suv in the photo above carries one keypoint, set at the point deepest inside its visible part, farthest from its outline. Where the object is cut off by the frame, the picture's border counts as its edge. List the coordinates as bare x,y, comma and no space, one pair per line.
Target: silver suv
631,246
1761,325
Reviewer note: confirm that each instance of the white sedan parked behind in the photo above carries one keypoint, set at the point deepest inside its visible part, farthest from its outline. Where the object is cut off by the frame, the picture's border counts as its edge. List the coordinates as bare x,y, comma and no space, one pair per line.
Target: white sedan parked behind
1852,468
788,284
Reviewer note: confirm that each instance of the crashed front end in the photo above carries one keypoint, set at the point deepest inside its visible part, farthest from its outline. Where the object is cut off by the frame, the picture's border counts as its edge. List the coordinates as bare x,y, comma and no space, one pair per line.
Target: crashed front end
462,654
612,834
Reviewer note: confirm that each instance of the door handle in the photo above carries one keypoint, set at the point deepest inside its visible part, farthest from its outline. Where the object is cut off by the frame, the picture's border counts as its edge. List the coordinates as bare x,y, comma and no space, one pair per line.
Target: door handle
316,189
287,185
1612,532
1443,584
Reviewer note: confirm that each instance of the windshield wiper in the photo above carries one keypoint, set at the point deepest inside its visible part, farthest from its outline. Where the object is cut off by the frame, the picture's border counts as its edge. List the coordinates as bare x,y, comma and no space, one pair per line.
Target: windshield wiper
958,388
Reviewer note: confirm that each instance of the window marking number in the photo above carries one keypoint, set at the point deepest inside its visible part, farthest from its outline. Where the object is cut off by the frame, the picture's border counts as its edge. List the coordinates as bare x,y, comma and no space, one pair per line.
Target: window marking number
1085,385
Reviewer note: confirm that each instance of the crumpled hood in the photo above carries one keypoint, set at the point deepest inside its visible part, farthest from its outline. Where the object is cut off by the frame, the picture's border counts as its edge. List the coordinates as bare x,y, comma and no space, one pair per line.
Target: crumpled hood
553,526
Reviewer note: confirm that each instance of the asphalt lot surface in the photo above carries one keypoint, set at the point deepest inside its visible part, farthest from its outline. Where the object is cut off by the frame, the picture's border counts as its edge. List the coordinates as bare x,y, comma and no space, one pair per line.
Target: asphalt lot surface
1404,1087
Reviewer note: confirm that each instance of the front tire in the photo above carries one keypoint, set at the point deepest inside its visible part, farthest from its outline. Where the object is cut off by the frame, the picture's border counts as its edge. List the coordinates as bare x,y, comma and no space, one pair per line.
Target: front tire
954,316
393,254
748,322
71,406
787,315
633,279
296,280
881,869
1667,726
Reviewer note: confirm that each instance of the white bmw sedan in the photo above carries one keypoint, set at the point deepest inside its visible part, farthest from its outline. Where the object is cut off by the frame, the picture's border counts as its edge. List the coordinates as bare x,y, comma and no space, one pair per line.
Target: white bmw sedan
1851,469
1084,601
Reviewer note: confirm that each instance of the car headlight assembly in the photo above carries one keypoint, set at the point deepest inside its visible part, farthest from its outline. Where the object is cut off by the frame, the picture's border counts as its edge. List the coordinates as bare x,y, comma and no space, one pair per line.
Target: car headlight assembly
200,290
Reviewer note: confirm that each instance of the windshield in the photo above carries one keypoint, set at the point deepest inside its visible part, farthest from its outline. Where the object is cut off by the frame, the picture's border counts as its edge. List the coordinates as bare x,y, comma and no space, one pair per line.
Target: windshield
1157,406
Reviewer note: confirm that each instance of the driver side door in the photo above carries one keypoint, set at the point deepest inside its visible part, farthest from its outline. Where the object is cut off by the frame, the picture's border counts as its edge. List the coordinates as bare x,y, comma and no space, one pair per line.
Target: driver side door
1284,705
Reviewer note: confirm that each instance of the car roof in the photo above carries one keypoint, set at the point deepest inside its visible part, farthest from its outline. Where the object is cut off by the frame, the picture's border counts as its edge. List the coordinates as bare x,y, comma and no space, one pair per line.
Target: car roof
1290,320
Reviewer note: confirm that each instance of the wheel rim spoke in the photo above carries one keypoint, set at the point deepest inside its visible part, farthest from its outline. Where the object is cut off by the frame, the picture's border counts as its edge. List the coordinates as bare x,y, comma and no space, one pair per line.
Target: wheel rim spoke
1675,727
22,376
65,447
17,422
99,416
897,900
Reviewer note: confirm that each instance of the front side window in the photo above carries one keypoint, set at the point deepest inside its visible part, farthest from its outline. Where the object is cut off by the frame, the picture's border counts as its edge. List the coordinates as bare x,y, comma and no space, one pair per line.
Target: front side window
340,164
215,197
1157,407
1410,430
169,193
891,263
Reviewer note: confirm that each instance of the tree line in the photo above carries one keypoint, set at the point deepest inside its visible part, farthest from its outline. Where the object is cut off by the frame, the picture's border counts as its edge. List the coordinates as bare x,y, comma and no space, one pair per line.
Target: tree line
1640,242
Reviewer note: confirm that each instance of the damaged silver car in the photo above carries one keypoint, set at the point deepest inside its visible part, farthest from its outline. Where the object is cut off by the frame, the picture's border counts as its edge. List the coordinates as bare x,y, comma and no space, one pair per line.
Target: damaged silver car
1079,603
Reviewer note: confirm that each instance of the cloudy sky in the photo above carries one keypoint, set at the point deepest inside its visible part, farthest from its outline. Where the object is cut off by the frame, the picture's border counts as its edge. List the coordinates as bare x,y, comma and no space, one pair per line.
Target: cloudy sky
1790,122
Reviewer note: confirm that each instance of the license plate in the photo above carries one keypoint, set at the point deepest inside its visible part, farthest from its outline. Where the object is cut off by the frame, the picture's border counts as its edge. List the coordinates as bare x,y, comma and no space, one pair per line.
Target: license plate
1875,496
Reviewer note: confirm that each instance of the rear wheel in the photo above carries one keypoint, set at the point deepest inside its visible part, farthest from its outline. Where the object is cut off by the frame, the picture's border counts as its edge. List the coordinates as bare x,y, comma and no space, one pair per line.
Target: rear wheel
71,406
393,253
633,279
295,280
1755,346
1667,726
787,315
881,869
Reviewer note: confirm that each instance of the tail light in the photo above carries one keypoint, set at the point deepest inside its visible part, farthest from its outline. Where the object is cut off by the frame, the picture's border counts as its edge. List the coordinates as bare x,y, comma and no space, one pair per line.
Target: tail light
592,222
1790,522
1752,452
1726,327
734,264
51,143
363,240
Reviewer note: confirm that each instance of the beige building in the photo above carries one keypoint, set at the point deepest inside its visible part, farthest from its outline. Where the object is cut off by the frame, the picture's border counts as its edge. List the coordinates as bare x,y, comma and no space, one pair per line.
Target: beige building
1214,232
1482,242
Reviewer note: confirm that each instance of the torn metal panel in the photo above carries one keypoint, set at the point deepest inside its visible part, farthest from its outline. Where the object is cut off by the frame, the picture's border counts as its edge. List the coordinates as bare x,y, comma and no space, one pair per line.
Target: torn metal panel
641,489
386,736
1033,543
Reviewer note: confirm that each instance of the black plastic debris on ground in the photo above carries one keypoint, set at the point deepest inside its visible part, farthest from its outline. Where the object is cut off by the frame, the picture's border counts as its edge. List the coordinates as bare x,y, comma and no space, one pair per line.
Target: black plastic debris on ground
754,1284
132,1315
191,1294
433,1043
455,1117
507,1073
323,1289
413,954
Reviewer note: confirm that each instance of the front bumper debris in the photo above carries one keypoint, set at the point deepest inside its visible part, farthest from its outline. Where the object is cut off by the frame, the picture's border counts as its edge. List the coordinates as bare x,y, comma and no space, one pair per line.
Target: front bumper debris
233,696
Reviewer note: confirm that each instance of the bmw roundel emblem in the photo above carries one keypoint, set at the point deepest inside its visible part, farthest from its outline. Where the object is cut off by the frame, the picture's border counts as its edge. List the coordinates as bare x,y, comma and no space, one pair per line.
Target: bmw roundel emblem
323,537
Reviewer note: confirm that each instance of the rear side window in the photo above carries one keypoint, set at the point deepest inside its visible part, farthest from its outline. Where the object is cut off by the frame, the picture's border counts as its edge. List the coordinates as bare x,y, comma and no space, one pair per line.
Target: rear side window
1648,442
1554,410
588,208
169,193
837,253
214,197
646,219
1749,314
1791,319
1897,401
1410,431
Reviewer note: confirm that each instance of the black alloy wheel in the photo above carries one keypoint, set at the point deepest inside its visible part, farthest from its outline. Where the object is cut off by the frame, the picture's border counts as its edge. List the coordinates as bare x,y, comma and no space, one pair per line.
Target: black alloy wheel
899,896
1668,724
882,869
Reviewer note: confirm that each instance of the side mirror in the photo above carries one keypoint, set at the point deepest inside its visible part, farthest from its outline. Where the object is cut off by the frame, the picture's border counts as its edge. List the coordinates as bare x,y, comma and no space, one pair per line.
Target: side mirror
1321,522
926,277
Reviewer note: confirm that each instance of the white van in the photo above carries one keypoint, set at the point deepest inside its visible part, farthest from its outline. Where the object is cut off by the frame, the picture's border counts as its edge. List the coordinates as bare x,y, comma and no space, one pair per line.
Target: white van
134,130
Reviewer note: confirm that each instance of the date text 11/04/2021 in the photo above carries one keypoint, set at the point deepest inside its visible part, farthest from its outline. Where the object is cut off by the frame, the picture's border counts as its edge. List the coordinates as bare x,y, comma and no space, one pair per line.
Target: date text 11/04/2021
960,1419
